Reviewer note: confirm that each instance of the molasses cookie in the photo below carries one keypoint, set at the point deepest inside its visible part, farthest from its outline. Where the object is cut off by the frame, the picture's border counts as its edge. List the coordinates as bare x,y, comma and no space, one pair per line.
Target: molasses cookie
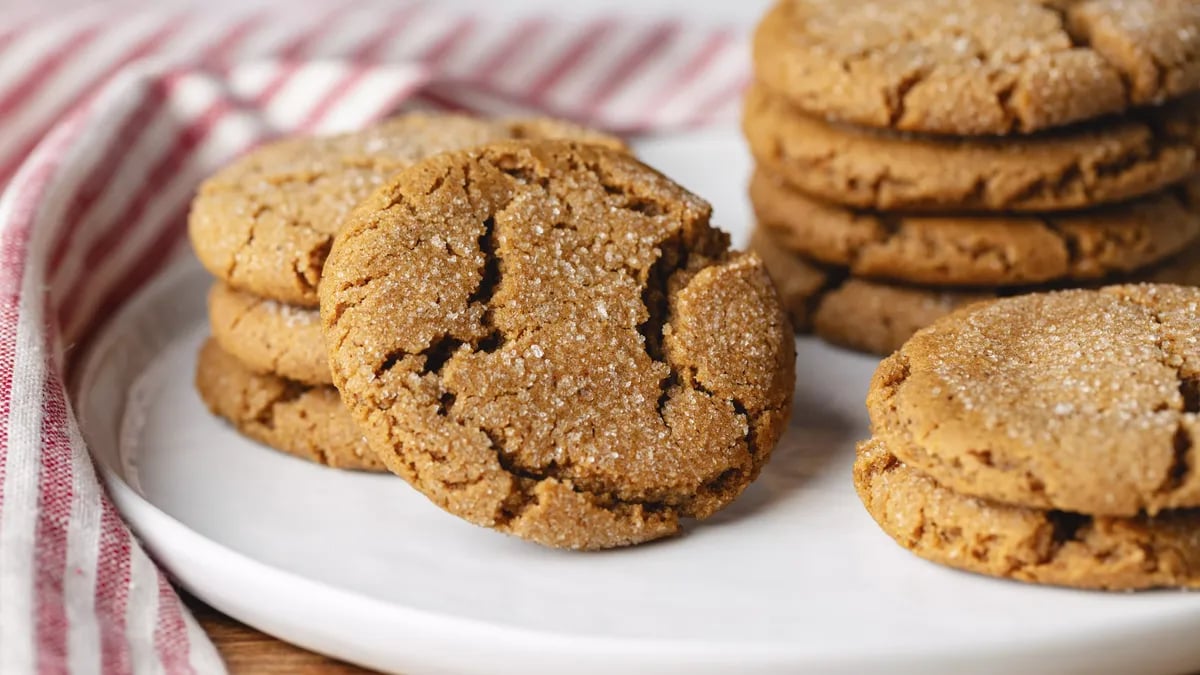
268,336
307,422
549,339
973,67
1108,161
264,224
1083,400
982,250
877,317
1048,547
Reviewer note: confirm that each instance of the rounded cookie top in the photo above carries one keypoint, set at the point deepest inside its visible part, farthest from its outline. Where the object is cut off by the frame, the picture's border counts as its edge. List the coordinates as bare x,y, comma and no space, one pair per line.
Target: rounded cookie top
268,336
1047,547
264,224
1000,250
1100,163
550,339
308,422
1078,400
973,67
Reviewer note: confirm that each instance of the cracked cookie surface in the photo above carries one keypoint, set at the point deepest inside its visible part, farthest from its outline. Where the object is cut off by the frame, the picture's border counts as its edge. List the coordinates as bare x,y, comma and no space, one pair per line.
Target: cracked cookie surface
878,317
264,223
269,337
996,250
1101,163
1080,400
1048,547
549,339
974,67
308,422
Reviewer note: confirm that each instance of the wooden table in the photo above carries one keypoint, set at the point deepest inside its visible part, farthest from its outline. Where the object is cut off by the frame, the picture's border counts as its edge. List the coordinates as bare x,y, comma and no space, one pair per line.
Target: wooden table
249,652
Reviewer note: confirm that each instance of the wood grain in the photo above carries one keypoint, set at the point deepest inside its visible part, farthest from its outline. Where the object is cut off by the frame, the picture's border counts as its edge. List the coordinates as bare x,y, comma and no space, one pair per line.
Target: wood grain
249,652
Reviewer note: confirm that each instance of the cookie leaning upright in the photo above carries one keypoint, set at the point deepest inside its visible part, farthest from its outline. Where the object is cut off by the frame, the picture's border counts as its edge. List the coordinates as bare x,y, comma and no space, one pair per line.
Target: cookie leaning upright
549,339
1063,424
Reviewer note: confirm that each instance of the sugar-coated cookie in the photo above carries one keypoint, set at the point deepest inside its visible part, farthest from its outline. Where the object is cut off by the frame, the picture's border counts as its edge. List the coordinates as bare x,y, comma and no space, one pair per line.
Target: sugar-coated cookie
971,67
307,422
549,339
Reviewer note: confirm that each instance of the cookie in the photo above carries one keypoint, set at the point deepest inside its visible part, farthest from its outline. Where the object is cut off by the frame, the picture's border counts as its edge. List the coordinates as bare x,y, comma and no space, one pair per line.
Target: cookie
549,339
974,67
799,282
264,224
1078,400
308,422
981,250
877,318
1047,547
269,337
1109,161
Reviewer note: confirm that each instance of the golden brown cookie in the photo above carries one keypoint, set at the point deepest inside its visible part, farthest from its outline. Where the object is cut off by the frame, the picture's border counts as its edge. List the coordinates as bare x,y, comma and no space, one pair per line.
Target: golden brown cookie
1047,547
799,282
980,250
268,336
877,317
972,67
1078,400
308,422
1108,161
550,339
264,223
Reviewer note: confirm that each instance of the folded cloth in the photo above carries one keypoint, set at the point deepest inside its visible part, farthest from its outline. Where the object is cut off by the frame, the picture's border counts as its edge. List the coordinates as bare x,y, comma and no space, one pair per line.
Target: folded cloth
112,113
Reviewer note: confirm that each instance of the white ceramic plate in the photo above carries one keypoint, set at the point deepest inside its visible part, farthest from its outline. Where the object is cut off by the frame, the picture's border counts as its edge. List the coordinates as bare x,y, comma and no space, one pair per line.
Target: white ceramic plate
794,576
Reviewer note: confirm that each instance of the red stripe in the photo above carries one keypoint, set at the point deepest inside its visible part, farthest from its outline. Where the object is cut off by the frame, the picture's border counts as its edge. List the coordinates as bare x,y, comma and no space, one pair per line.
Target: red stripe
38,74
446,45
108,165
110,160
362,58
651,45
170,632
711,106
444,102
143,48
112,590
593,34
221,52
54,516
149,262
295,49
519,39
700,61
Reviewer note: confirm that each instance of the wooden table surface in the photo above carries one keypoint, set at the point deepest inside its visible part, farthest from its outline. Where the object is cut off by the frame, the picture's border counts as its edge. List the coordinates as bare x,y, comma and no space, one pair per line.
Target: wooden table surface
249,652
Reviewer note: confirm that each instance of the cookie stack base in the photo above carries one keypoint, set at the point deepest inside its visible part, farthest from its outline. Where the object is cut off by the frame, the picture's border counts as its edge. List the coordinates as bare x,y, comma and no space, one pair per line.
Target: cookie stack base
300,420
1032,545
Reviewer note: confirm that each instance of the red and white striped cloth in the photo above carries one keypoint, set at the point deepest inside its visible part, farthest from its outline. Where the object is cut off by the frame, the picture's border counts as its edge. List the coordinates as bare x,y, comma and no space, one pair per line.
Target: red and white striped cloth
110,114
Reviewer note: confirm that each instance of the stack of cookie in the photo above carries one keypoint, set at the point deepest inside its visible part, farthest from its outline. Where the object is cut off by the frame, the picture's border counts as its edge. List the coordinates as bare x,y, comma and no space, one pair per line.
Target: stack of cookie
917,155
543,336
1048,438
263,227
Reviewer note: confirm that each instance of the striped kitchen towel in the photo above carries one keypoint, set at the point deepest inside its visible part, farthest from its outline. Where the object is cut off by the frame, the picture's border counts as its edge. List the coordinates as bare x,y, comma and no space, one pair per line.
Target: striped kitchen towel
112,112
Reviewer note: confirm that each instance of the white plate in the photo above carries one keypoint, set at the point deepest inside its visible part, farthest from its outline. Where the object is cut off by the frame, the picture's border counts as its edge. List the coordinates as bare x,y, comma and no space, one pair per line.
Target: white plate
793,576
